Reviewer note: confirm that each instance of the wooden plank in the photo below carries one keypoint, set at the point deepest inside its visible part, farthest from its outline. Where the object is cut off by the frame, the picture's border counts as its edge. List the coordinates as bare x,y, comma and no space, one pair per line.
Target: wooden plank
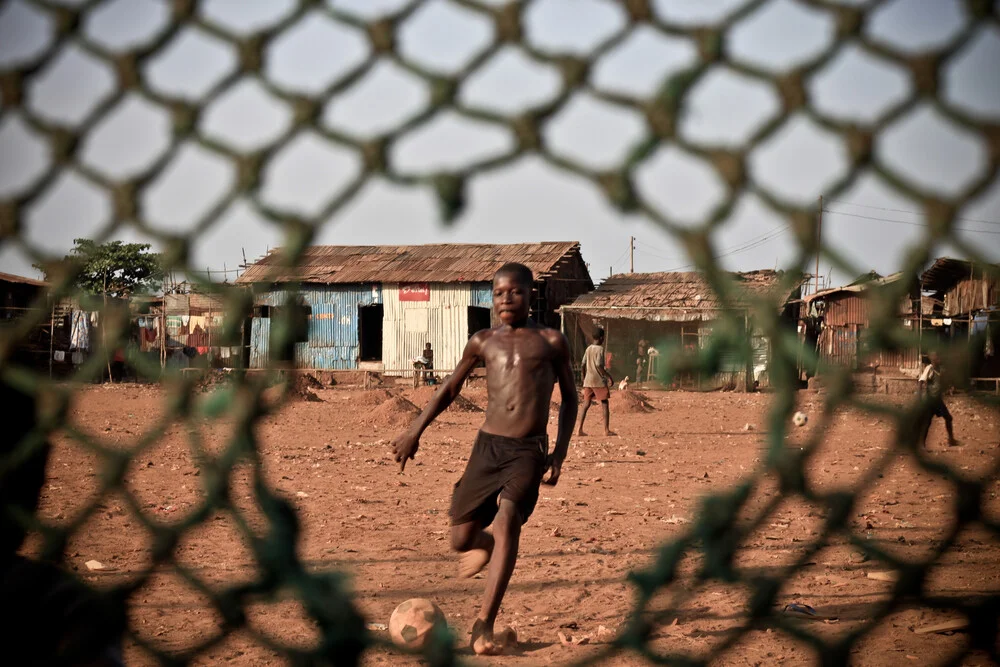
944,626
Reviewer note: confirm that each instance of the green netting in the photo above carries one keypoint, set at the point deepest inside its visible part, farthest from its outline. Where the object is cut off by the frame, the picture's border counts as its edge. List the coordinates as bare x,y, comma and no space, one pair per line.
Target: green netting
717,532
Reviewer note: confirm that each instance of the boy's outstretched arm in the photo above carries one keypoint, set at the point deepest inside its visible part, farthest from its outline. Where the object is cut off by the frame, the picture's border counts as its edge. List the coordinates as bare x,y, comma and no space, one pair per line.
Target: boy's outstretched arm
405,446
567,409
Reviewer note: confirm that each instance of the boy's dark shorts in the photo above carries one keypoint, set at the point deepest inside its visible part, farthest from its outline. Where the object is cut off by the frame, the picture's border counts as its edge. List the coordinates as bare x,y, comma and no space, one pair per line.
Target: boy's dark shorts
937,407
499,467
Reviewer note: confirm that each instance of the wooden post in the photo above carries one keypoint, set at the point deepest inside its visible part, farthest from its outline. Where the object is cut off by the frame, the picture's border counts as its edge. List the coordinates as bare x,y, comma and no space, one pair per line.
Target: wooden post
749,364
52,336
163,335
208,324
920,322
104,329
819,238
972,300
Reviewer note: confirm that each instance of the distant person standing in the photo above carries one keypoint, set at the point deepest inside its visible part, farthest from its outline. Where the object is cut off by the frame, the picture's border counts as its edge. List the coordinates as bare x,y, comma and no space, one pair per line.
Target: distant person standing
929,388
429,365
642,361
596,381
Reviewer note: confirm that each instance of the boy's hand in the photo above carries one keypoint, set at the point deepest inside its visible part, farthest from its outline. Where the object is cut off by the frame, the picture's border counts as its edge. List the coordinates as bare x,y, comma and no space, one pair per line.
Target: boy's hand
554,465
405,447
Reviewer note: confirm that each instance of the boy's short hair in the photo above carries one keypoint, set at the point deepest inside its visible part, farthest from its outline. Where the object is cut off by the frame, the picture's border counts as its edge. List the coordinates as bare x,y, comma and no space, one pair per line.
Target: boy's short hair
519,271
599,334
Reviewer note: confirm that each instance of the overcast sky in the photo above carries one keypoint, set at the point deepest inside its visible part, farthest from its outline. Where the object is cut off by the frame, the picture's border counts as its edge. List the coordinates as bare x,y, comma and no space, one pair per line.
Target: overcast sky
530,200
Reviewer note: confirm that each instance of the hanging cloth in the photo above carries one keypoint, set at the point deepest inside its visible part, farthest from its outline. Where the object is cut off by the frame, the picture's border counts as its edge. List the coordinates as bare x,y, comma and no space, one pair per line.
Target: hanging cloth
80,331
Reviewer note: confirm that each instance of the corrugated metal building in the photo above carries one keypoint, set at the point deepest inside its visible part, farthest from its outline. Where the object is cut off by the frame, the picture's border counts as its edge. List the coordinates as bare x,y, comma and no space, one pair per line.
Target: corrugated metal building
964,302
834,321
671,309
374,307
333,340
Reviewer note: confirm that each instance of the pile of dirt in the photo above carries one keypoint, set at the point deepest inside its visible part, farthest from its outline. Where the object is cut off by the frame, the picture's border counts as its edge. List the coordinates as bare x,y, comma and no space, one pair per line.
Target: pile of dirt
462,404
630,402
421,396
372,397
395,412
310,381
300,388
212,380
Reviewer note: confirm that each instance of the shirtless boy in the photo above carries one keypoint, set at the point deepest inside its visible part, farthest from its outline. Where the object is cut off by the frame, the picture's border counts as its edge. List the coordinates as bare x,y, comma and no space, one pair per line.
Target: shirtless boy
510,456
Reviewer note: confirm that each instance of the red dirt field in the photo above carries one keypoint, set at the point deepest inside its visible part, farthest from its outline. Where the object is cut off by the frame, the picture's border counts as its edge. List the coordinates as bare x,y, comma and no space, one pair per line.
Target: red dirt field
619,498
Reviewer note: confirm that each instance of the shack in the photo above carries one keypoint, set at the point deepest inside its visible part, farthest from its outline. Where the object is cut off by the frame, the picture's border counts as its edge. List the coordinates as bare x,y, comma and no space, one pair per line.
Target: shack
375,307
19,294
835,323
671,310
963,301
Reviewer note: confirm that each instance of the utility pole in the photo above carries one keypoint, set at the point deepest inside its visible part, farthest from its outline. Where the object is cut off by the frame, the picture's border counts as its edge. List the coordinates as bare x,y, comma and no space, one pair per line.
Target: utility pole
631,254
819,237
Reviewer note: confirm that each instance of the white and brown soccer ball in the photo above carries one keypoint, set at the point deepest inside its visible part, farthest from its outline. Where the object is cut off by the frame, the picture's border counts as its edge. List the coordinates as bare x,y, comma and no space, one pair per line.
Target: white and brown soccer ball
800,419
412,622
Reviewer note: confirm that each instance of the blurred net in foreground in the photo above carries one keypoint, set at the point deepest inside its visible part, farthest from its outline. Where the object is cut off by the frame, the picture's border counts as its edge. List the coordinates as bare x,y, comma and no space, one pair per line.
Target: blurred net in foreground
717,531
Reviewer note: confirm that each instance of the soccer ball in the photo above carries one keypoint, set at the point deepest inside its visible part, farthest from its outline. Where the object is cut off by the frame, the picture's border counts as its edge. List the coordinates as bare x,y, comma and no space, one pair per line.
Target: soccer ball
800,419
412,622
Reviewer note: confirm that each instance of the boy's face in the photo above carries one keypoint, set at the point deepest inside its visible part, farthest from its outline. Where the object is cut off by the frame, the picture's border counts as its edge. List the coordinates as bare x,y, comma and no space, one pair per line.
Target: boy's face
511,299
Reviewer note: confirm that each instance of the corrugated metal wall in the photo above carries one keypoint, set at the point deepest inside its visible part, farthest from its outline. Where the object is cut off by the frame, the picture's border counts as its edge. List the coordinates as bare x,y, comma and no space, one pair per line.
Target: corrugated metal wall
260,333
443,321
333,325
969,295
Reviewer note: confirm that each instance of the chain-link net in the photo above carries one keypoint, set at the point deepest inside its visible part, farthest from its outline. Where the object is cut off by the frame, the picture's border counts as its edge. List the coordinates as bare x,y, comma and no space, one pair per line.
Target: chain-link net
724,520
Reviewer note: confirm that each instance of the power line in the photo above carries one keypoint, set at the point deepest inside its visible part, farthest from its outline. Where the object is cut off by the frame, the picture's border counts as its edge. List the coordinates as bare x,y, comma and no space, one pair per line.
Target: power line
908,222
746,245
653,247
653,254
618,261
903,210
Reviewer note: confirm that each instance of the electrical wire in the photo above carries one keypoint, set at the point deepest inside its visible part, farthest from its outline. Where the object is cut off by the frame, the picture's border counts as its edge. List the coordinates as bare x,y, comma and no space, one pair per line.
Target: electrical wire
908,222
743,247
903,210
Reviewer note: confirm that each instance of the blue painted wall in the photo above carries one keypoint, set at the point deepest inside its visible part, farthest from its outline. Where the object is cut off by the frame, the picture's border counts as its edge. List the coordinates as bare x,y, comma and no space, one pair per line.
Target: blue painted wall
482,295
333,325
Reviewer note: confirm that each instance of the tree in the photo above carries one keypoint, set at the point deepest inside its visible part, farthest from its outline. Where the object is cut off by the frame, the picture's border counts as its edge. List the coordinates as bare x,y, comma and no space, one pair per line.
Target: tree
113,269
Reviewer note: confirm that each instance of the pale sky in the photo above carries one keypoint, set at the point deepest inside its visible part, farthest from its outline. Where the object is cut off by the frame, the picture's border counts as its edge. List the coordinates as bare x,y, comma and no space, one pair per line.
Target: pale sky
872,223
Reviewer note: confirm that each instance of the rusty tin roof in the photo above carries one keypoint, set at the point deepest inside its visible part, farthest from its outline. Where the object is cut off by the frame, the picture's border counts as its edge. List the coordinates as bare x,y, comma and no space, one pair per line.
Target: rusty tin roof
433,263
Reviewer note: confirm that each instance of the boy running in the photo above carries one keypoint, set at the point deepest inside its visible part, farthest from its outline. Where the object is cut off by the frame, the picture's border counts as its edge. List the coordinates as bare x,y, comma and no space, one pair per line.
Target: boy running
510,456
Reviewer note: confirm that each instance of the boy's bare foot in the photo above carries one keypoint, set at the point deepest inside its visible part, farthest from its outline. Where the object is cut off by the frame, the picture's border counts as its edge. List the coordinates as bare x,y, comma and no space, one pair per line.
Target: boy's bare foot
608,434
473,561
581,434
483,642
954,443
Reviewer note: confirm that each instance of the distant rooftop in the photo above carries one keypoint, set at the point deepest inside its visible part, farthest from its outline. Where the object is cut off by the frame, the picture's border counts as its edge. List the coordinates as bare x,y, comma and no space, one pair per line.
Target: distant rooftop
21,280
434,263
671,295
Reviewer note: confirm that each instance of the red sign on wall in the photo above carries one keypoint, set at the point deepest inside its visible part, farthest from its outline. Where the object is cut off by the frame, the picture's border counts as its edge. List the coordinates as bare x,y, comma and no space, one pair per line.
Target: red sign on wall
415,292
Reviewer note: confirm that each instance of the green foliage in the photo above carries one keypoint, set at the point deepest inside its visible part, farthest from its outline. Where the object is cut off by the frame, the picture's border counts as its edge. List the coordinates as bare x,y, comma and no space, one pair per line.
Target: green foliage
114,269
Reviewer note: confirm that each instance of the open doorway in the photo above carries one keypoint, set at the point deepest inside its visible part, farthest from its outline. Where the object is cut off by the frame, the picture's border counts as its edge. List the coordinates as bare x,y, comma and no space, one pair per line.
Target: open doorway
479,319
370,332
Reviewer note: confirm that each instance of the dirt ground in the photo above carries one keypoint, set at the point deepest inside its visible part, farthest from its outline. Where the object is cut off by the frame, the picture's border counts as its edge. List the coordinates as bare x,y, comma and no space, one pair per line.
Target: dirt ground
619,498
